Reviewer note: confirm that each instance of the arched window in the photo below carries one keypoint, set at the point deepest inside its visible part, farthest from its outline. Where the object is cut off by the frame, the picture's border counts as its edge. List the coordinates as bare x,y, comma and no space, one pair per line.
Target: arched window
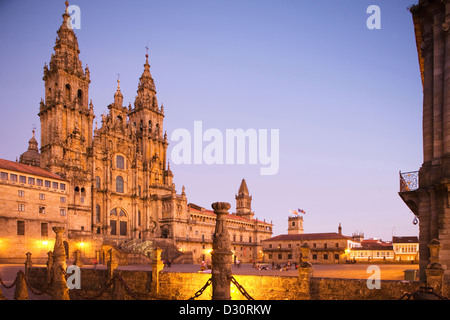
139,218
139,190
80,95
141,126
119,184
120,162
149,126
97,182
68,92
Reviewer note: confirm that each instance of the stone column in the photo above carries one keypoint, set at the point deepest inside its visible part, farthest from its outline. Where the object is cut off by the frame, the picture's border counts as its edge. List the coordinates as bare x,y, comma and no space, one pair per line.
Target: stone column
434,271
59,288
304,272
221,254
157,267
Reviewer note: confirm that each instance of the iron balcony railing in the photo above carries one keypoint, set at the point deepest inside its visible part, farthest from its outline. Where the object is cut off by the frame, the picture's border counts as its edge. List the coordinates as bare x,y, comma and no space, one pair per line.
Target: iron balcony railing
409,181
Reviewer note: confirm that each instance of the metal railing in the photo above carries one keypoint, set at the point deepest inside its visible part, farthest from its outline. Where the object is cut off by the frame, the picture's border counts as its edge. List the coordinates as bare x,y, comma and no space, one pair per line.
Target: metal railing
409,181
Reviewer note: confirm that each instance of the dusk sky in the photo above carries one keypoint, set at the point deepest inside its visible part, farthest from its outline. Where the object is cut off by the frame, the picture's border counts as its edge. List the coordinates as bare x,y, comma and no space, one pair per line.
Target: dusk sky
347,100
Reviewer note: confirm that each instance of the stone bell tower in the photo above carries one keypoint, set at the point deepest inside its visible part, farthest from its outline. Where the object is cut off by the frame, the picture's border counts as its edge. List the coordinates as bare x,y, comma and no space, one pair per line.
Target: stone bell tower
66,115
430,199
244,202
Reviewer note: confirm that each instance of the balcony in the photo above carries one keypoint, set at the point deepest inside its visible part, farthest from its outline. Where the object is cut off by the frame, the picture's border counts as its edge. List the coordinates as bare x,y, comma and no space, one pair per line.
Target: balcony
409,181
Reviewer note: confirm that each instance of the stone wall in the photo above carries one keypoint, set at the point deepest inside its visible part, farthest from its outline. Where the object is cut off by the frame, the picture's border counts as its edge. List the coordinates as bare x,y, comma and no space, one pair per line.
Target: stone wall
182,286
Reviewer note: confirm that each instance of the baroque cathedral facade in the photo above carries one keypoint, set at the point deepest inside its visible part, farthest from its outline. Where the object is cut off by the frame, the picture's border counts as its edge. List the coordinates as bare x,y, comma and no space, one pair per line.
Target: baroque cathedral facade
115,188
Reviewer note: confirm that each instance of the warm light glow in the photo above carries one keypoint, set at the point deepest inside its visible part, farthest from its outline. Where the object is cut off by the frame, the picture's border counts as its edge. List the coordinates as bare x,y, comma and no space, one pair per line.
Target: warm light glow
44,243
81,244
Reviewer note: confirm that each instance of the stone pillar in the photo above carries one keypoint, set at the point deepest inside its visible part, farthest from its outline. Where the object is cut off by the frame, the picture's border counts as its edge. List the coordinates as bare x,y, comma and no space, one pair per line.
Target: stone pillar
157,267
221,254
434,271
112,264
78,261
59,288
304,272
28,262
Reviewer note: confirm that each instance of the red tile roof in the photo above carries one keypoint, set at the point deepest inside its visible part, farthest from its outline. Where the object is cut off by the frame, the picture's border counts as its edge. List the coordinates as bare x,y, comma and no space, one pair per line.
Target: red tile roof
405,240
25,168
308,237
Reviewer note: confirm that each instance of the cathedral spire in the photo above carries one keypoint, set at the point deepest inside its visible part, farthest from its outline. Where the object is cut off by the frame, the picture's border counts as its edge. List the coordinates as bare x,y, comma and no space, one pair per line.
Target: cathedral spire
118,97
146,97
66,56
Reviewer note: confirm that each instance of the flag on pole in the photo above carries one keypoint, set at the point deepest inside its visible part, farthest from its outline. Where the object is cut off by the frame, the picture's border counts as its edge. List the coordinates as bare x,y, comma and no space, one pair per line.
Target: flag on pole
301,211
293,212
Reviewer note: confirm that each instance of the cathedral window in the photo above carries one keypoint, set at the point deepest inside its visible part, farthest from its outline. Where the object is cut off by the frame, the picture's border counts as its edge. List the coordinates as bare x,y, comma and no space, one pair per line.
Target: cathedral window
119,184
97,182
139,190
118,216
97,213
68,92
139,218
149,126
80,95
120,162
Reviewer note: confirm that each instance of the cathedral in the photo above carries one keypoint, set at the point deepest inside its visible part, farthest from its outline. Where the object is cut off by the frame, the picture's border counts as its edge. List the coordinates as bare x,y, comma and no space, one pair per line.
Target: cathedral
111,186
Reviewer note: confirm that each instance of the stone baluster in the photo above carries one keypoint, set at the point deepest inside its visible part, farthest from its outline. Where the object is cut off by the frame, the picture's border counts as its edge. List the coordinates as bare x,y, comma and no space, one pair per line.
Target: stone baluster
157,267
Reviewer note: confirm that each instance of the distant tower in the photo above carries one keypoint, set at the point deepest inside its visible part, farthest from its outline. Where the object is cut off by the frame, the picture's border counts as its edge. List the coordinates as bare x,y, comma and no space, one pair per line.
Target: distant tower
295,225
340,229
244,202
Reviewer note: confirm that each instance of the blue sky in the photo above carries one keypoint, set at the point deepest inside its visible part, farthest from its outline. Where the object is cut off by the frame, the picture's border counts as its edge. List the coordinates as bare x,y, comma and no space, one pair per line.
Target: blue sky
347,100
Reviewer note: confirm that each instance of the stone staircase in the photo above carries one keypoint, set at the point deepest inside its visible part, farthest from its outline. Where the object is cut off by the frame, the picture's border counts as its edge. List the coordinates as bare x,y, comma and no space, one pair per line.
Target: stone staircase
145,248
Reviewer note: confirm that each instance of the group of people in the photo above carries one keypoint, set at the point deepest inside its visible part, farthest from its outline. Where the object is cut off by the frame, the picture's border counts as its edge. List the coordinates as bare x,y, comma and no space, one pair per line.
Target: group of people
285,267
